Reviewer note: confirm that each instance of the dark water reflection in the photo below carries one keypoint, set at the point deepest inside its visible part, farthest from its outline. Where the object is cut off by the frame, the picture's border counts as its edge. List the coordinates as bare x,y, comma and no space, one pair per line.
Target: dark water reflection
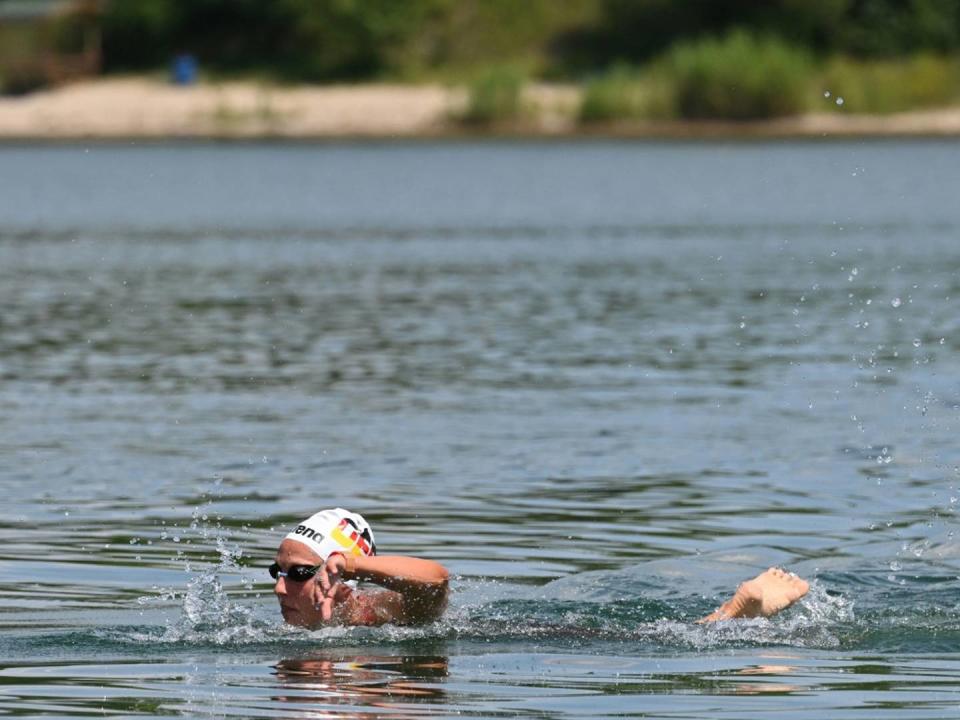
385,683
602,382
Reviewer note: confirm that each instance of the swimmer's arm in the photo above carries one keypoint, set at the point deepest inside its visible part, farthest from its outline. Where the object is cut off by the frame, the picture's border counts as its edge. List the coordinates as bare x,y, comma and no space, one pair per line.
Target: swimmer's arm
767,594
419,588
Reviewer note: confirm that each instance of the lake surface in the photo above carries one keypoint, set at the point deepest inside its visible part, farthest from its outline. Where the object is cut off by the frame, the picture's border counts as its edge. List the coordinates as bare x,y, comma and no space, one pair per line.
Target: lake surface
602,382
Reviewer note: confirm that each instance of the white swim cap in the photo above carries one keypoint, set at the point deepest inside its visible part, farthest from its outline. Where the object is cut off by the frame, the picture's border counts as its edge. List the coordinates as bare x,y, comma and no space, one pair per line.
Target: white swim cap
335,531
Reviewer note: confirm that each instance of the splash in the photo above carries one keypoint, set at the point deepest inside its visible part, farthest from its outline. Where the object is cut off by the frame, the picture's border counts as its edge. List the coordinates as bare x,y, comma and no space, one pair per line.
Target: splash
207,612
207,608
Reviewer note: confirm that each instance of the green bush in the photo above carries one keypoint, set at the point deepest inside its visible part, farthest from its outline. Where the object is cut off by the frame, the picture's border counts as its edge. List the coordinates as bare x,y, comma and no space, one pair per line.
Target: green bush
737,77
495,96
621,93
885,86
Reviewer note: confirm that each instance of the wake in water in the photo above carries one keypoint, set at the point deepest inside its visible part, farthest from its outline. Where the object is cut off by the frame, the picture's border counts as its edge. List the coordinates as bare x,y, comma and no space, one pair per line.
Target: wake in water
503,613
652,606
496,613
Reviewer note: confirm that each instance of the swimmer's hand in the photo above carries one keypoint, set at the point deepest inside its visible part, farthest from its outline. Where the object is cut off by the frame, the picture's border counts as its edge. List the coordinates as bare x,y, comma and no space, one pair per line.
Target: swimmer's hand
330,588
767,594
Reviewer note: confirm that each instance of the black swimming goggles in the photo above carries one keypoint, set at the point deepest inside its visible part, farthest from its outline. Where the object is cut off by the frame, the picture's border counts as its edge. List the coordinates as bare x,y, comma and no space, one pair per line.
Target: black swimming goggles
297,573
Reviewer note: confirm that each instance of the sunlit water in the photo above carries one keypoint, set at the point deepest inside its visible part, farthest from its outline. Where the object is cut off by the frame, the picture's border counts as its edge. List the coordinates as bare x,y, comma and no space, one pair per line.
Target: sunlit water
602,383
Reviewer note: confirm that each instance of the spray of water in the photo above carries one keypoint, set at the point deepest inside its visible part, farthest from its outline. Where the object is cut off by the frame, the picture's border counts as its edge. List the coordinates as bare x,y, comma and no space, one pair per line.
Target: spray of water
207,613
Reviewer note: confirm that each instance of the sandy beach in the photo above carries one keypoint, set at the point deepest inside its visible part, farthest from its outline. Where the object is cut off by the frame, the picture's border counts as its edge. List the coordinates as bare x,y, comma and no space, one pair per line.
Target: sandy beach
146,108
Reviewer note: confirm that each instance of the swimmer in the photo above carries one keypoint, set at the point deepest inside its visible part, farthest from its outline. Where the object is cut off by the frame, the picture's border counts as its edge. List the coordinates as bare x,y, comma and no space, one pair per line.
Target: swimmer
318,561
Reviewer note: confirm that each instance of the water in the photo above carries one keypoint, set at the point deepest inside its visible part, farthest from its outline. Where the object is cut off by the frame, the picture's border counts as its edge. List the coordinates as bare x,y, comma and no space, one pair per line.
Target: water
603,383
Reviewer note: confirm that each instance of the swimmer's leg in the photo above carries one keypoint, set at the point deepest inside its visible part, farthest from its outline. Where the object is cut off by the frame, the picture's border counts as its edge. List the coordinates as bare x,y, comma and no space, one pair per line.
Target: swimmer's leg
768,593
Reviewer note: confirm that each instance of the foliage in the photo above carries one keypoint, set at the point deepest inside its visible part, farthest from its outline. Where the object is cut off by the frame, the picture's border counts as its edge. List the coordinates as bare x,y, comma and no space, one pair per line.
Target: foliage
737,77
28,52
495,96
139,34
639,29
349,38
884,86
336,39
466,35
616,94
301,39
894,27
624,93
760,67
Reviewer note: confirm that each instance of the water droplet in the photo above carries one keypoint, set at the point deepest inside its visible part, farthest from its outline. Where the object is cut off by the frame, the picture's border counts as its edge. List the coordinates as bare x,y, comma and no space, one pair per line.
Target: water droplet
916,342
742,325
839,101
826,93
896,302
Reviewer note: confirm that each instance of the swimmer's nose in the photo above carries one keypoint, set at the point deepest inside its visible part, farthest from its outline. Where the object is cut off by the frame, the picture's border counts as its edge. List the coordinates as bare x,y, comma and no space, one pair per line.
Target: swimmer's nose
280,587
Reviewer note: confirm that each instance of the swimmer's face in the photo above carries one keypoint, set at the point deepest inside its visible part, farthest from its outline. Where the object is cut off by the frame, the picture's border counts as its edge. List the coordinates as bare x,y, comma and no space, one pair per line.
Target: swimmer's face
298,600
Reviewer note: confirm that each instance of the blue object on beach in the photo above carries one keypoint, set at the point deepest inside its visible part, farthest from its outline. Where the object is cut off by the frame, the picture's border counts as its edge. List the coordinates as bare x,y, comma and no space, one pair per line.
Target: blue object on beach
184,69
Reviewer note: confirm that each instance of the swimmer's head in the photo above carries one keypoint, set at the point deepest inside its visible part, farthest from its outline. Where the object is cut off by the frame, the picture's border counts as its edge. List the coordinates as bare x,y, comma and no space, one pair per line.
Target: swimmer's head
335,531
304,549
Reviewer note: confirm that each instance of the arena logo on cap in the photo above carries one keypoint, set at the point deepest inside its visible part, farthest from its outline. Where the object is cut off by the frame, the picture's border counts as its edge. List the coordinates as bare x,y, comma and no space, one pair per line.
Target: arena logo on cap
309,532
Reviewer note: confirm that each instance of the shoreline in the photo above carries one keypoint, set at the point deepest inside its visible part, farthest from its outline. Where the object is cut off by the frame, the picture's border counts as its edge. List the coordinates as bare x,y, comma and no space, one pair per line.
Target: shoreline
131,109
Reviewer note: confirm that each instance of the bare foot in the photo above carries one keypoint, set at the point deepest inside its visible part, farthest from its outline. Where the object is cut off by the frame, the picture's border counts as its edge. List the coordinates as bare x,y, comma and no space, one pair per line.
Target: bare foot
768,593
